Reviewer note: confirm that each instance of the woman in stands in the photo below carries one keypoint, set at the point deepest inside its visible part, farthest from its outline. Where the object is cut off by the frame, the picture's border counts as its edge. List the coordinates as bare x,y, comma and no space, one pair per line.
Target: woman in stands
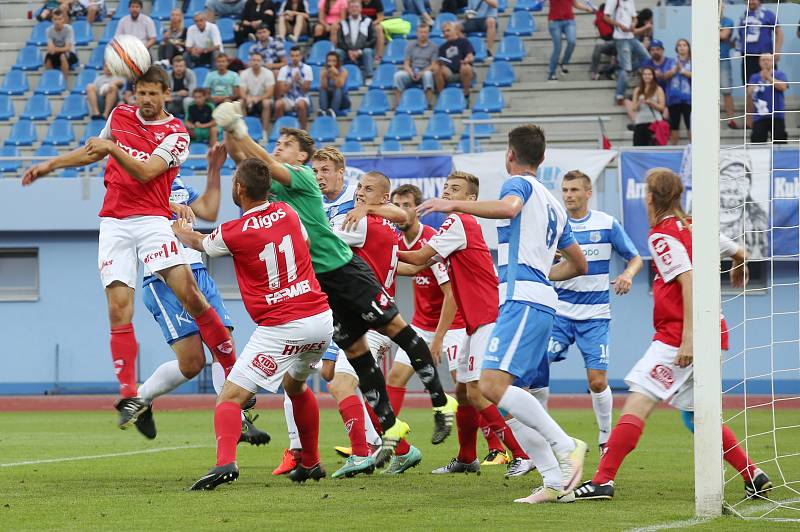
679,90
174,41
292,13
331,12
255,13
648,105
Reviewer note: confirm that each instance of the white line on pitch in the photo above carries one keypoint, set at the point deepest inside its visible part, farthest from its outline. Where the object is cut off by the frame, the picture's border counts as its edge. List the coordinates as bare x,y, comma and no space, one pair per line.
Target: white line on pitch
99,456
685,523
746,511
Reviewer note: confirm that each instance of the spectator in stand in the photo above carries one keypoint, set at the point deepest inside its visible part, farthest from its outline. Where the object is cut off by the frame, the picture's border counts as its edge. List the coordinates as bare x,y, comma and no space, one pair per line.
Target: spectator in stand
292,13
294,83
199,119
755,37
258,90
138,24
173,42
481,17
271,50
373,9
561,22
679,90
449,6
225,8
104,92
423,9
223,84
91,9
331,12
356,39
649,103
60,44
454,63
725,68
203,42
182,83
256,13
630,51
419,64
46,11
661,63
333,87
604,46
765,92
644,26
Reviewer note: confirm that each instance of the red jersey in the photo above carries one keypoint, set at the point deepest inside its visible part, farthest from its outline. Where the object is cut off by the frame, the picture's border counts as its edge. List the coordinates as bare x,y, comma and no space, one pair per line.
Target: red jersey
375,241
561,10
141,139
472,272
272,262
428,297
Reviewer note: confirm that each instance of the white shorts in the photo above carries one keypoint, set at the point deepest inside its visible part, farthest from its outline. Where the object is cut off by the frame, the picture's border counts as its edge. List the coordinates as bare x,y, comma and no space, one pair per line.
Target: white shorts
657,376
470,360
293,347
379,345
451,346
123,243
291,103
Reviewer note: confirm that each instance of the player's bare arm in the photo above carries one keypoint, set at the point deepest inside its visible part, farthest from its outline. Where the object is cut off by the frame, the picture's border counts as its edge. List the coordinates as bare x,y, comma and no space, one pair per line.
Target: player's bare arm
420,257
574,264
507,207
446,317
206,207
72,159
190,238
408,270
388,211
141,171
624,281
685,355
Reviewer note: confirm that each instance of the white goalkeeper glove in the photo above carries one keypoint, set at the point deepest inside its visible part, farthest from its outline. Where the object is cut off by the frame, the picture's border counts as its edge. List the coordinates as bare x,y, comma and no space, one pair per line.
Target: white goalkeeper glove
229,117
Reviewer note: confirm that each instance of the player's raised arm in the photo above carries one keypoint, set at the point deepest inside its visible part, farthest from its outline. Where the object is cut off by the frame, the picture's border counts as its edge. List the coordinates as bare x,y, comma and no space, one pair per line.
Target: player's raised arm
420,257
387,211
508,207
78,157
206,206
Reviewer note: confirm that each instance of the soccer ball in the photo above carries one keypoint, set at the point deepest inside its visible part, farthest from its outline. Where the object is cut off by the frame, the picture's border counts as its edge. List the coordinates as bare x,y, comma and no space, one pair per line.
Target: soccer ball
127,57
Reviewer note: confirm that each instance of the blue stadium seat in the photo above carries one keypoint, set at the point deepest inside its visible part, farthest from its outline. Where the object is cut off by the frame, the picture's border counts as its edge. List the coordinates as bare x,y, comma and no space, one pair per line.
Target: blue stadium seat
74,108
412,19
186,172
438,41
86,77
451,101
60,133
15,83
6,107
482,131
51,82
46,150
315,77
440,127
490,100
197,163
383,77
391,145
441,18
389,8
254,128
501,74
200,73
97,59
362,128
324,129
395,51
226,29
352,146
354,78
108,33
159,32
83,32
161,9
511,49
463,146
318,52
194,7
479,45
243,52
521,24
375,103
412,102
402,127
122,10
430,145
23,133
529,5
37,108
502,5
284,121
29,58
92,129
39,34
10,166
71,173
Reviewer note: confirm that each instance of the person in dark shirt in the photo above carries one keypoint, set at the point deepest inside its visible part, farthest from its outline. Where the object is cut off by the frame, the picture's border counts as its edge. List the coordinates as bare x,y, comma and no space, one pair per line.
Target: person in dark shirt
374,10
455,61
199,121
256,13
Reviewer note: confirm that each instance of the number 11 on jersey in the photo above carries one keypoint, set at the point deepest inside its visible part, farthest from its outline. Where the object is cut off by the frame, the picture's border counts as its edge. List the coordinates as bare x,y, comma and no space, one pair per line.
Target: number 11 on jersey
270,257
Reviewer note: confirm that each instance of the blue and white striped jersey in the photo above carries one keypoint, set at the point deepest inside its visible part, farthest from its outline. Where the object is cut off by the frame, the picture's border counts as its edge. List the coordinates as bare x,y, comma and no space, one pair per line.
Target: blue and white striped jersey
586,297
527,243
337,208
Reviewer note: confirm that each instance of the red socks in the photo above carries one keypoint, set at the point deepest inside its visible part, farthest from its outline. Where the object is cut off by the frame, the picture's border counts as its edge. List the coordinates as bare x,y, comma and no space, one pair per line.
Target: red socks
123,353
734,454
228,428
468,423
217,337
492,440
498,426
306,416
396,397
353,417
623,440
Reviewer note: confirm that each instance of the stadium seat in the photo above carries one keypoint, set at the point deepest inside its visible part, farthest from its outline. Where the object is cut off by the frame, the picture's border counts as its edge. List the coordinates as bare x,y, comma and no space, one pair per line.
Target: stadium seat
96,60
324,129
46,150
501,74
23,133
384,77
402,127
226,29
122,10
92,129
354,78
375,103
430,144
108,33
74,107
159,32
318,52
389,8
412,19
352,146
39,34
451,101
391,145
313,9
254,128
438,41
6,107
15,83
395,52
481,131
463,146
284,121
529,5
315,77
502,5
243,52
198,162
10,166
186,172
60,133
441,18
29,58
195,6
51,82
490,100
521,24
200,73
440,127
479,45
161,9
86,77
83,32
71,173
511,49
37,108
362,128
412,102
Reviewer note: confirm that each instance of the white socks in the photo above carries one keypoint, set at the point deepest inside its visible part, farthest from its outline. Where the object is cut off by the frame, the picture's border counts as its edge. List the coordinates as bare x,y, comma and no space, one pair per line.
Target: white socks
527,409
373,438
164,379
542,394
217,376
291,426
539,451
603,404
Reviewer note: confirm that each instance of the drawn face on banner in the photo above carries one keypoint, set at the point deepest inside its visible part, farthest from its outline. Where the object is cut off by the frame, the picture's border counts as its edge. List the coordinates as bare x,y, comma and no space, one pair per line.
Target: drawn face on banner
743,189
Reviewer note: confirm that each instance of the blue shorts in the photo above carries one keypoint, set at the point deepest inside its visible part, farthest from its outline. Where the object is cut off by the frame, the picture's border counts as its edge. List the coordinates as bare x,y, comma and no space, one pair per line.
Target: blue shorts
590,335
170,315
519,344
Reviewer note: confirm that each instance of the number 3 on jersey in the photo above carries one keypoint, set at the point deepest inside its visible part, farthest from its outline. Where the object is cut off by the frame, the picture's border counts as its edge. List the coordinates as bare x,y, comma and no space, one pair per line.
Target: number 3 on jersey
270,257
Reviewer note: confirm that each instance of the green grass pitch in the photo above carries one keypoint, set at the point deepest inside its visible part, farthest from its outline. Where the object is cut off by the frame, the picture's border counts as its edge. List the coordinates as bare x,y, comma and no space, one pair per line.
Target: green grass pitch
148,491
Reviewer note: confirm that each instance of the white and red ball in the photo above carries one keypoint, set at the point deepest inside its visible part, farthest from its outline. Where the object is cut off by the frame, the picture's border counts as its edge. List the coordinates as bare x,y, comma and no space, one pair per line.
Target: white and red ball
126,56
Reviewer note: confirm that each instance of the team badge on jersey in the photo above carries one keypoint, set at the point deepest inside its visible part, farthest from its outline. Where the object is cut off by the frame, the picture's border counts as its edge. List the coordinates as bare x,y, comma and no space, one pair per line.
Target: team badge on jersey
594,236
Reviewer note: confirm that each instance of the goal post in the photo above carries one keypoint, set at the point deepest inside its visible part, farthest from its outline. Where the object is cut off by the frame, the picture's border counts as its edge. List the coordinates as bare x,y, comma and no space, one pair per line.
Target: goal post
708,467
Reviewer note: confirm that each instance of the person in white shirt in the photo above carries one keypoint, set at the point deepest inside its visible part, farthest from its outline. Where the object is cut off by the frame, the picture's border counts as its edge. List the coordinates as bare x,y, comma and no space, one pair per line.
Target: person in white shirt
294,82
203,42
138,24
622,15
258,90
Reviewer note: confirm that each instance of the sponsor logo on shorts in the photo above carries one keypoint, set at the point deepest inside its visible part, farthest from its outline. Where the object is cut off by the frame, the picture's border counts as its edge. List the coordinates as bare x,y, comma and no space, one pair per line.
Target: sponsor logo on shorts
153,255
296,349
265,364
297,289
183,317
664,375
226,347
105,264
